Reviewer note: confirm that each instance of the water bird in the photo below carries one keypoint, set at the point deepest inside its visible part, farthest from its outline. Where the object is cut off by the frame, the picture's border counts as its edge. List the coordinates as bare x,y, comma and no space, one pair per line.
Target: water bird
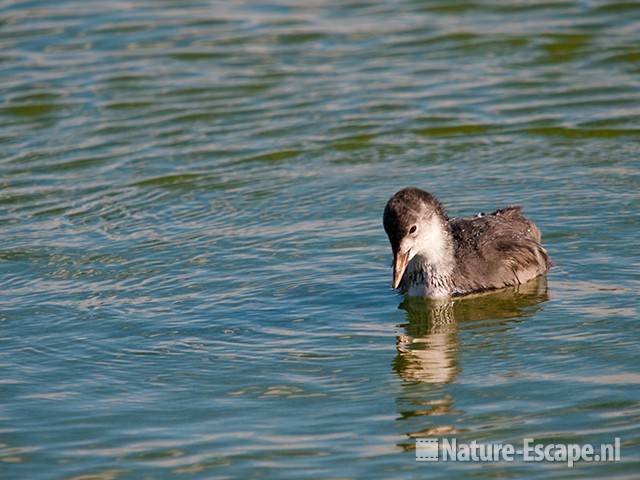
438,257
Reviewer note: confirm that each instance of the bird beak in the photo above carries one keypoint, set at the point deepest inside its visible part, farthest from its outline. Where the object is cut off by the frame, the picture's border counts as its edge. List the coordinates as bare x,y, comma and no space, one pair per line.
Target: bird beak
399,266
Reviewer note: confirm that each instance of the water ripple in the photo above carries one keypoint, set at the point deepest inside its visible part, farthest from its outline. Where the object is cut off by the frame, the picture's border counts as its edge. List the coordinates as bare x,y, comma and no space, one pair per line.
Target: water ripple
194,275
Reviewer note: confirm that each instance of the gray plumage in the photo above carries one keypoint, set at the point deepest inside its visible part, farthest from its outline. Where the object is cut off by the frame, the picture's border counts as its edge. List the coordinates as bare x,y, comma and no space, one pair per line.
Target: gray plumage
435,256
497,250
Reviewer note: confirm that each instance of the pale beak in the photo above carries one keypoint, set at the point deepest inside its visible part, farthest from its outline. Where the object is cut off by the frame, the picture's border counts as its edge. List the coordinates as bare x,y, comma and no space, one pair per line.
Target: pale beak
399,266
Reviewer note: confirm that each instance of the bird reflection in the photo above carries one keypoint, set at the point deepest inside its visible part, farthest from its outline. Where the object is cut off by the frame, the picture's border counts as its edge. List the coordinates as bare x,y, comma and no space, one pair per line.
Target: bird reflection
427,358
428,351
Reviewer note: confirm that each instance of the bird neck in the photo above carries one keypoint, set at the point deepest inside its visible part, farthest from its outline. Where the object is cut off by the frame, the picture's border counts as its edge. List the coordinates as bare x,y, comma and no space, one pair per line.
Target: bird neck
435,247
434,261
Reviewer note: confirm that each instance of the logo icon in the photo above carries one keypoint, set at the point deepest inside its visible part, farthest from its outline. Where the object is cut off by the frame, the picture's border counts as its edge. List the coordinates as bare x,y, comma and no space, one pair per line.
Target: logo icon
427,450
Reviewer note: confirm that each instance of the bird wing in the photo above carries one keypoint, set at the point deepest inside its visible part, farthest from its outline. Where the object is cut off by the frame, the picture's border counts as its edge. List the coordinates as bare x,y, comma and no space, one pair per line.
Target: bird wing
497,250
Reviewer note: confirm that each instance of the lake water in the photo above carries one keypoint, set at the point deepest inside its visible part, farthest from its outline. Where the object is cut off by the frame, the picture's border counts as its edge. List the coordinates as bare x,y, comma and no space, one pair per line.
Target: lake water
195,282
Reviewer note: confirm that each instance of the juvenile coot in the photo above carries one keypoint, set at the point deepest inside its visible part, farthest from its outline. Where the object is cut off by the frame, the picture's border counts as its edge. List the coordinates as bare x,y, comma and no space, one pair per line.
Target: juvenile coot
438,257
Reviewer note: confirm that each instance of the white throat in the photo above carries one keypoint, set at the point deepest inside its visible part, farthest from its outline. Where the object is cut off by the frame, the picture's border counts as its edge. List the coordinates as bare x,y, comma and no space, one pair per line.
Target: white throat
429,271
434,245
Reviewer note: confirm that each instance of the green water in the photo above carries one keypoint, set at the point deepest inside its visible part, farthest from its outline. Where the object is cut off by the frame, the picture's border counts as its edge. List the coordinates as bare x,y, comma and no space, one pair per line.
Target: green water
194,276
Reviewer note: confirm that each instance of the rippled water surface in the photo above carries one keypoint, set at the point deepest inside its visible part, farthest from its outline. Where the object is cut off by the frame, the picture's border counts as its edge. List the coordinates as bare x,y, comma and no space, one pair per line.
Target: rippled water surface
194,277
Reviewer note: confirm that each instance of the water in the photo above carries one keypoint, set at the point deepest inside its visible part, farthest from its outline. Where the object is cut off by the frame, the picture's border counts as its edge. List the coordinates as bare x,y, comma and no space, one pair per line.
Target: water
194,276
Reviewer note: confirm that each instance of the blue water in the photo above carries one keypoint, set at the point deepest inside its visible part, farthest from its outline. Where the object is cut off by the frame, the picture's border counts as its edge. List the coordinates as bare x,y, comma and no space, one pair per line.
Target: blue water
194,279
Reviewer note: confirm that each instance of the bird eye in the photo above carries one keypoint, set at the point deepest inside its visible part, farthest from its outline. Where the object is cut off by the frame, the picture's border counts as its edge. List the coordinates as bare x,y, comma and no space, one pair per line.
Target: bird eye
413,229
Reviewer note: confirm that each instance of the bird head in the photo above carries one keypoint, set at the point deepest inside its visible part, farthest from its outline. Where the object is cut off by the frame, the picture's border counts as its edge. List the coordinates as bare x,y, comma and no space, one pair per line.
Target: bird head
415,223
